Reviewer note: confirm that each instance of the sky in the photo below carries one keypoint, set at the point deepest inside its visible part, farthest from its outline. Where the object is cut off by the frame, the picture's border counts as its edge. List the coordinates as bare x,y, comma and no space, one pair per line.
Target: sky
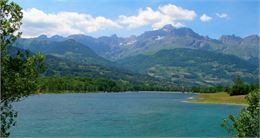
97,18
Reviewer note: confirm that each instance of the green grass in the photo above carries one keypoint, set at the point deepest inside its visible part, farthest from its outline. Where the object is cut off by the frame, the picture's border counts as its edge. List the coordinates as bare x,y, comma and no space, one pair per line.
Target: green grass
220,98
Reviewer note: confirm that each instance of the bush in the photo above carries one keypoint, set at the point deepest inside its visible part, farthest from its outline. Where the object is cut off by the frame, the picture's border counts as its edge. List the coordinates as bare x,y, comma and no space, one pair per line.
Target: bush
247,124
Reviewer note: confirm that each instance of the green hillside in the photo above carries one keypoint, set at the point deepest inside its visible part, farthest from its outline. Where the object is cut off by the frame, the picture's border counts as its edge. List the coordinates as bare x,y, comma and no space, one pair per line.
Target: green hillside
68,49
192,67
60,67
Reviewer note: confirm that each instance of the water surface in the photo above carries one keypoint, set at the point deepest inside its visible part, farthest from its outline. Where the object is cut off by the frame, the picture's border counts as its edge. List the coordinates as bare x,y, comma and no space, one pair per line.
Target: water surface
118,114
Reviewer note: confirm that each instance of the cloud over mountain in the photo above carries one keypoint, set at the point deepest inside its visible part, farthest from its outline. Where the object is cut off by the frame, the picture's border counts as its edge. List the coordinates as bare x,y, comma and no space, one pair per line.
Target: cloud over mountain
37,22
167,14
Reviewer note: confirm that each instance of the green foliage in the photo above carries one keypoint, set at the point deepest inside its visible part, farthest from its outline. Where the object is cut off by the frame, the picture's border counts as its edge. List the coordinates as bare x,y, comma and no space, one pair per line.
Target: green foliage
18,78
208,89
247,123
89,84
83,84
240,88
10,21
18,72
76,84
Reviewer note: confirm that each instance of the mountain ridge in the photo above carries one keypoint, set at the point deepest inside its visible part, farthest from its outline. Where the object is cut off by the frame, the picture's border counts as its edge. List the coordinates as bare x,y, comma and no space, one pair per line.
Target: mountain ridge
168,37
142,52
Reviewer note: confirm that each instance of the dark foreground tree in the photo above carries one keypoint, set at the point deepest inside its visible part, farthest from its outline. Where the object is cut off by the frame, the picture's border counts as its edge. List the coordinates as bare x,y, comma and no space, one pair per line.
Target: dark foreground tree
247,123
18,72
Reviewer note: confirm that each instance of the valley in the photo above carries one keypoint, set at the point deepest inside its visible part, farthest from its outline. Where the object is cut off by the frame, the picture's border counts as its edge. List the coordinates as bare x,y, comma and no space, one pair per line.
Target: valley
168,56
164,68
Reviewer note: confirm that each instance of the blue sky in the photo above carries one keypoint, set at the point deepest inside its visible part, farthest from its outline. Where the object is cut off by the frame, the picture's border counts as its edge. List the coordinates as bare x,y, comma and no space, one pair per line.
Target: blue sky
127,17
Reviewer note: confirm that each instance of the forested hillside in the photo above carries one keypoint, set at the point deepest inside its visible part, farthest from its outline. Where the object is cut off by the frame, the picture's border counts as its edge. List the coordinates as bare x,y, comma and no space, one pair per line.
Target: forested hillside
190,66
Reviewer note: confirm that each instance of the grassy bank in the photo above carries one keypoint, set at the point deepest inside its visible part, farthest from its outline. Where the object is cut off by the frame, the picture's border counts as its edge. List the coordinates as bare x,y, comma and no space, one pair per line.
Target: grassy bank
219,98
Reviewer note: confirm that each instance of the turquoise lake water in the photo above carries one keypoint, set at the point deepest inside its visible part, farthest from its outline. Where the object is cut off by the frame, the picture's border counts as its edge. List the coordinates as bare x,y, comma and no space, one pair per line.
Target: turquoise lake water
132,114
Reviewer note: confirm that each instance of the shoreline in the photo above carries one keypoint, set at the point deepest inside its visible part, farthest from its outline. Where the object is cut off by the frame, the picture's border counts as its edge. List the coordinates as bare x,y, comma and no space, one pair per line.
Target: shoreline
192,99
166,92
197,102
69,92
216,98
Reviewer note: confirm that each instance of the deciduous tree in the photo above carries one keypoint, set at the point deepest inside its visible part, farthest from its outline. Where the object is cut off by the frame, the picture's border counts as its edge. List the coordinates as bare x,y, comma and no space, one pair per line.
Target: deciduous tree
18,72
247,123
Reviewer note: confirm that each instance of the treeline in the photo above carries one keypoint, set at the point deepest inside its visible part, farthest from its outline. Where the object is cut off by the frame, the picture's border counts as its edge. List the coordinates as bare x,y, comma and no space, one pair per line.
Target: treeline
241,88
238,88
82,84
213,89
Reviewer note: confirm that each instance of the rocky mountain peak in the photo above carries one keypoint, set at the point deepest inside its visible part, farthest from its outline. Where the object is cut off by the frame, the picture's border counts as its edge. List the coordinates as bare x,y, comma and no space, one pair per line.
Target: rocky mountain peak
168,28
230,39
42,37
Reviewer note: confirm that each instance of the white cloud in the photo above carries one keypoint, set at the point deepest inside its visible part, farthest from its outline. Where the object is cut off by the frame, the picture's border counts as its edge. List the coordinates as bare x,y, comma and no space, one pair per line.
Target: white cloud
222,15
167,14
36,22
143,18
177,13
205,18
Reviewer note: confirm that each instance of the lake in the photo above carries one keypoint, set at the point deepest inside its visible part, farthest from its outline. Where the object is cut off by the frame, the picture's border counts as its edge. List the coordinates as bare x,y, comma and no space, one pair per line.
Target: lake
125,114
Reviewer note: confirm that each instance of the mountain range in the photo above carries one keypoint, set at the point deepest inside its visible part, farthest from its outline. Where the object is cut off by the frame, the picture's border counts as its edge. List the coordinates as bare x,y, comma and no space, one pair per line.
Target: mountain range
114,47
179,56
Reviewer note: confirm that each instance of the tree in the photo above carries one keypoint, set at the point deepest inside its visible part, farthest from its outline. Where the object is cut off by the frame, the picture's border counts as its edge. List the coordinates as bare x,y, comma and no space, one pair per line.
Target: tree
247,124
18,72
239,88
